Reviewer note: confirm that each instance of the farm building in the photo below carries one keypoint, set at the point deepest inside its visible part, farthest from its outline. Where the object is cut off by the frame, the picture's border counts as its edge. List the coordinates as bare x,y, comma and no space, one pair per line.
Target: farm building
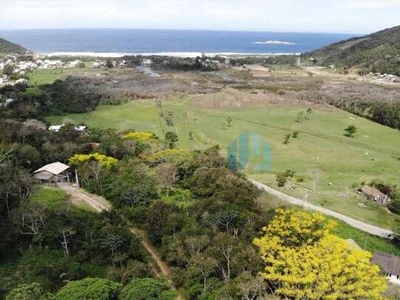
51,173
375,194
390,264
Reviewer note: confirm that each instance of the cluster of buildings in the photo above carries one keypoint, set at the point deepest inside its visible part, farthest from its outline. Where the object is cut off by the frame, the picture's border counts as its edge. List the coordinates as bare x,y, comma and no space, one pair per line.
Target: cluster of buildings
7,80
30,63
103,63
214,63
13,66
56,128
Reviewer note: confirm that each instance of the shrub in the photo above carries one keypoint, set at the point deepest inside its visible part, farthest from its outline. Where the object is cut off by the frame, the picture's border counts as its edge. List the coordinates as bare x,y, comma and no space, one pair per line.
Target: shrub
147,289
281,179
350,131
394,206
141,136
286,139
30,291
89,288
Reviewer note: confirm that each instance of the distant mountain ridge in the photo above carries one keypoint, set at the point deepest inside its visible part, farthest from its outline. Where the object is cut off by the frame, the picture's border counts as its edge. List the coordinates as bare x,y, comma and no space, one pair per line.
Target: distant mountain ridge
7,47
378,52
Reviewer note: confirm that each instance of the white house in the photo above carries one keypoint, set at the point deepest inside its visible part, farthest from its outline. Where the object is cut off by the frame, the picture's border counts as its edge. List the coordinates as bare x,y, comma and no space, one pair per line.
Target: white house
390,264
55,128
80,128
147,62
22,81
55,172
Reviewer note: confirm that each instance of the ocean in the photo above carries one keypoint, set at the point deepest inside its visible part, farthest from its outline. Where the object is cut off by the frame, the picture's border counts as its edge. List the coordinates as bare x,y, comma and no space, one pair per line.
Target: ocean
118,42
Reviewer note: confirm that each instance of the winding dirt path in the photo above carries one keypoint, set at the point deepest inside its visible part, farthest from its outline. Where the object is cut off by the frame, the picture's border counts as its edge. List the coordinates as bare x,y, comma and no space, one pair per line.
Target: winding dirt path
100,204
162,265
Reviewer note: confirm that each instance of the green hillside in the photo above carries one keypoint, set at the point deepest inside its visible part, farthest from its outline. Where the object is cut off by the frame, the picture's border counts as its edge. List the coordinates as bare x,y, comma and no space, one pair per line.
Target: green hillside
8,47
377,52
339,164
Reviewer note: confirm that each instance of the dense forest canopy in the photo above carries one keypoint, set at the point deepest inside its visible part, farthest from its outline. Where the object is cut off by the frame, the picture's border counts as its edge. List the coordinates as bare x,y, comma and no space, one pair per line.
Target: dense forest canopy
201,217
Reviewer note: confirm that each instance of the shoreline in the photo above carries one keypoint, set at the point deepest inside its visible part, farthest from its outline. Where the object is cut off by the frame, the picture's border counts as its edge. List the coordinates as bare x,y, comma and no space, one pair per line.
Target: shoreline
167,54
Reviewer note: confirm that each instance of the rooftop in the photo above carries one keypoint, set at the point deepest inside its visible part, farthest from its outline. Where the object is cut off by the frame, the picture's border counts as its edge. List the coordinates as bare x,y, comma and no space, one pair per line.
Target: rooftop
54,168
389,263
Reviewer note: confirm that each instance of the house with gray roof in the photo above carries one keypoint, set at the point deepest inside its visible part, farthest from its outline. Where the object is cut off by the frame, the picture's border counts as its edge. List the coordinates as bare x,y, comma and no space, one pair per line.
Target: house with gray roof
389,264
375,194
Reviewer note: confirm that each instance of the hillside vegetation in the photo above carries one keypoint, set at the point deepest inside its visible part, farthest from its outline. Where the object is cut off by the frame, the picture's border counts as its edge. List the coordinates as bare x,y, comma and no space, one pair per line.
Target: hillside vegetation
7,47
185,223
337,159
378,52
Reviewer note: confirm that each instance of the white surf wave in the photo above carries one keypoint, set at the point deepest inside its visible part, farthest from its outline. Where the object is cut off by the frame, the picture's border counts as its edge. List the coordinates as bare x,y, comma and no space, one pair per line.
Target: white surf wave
274,43
173,54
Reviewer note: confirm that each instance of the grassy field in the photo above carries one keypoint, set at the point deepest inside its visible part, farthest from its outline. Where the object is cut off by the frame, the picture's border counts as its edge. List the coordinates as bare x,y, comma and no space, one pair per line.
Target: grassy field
51,198
47,76
366,241
321,154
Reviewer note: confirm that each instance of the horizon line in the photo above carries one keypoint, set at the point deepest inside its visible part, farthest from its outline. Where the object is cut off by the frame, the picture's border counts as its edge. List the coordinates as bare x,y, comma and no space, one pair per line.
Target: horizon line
187,29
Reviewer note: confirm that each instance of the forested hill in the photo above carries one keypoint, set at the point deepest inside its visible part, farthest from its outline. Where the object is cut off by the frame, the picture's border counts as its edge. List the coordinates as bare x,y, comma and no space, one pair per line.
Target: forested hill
377,52
8,47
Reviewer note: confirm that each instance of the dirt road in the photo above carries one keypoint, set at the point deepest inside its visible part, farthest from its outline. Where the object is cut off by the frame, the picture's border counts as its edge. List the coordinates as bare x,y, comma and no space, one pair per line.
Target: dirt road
79,195
100,204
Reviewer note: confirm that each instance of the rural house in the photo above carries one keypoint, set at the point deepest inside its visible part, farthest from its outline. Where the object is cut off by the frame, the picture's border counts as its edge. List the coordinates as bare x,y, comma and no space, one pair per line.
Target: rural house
375,194
390,264
52,173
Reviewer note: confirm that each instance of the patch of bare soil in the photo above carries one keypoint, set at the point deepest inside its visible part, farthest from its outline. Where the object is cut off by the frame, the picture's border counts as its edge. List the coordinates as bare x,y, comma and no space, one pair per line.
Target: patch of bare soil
259,71
235,98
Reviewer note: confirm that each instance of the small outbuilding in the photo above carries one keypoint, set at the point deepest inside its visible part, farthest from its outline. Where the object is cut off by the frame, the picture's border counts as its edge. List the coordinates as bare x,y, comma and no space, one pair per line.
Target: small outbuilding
390,264
375,194
52,173
55,128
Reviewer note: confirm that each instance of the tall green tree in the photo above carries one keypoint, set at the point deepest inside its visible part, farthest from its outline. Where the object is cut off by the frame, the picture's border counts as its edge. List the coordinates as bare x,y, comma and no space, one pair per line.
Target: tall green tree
147,289
171,138
350,131
89,289
29,291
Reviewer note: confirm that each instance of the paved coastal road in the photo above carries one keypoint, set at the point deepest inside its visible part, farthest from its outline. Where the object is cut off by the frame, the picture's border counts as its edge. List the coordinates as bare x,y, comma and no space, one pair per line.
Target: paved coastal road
352,222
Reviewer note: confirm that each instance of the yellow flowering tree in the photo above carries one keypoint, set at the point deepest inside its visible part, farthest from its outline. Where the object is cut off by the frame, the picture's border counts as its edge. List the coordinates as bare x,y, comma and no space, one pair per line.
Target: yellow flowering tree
91,168
103,160
304,261
140,136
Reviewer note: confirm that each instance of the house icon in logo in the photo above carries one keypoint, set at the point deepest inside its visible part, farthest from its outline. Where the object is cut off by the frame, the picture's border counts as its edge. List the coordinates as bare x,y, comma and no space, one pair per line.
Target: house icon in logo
250,152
